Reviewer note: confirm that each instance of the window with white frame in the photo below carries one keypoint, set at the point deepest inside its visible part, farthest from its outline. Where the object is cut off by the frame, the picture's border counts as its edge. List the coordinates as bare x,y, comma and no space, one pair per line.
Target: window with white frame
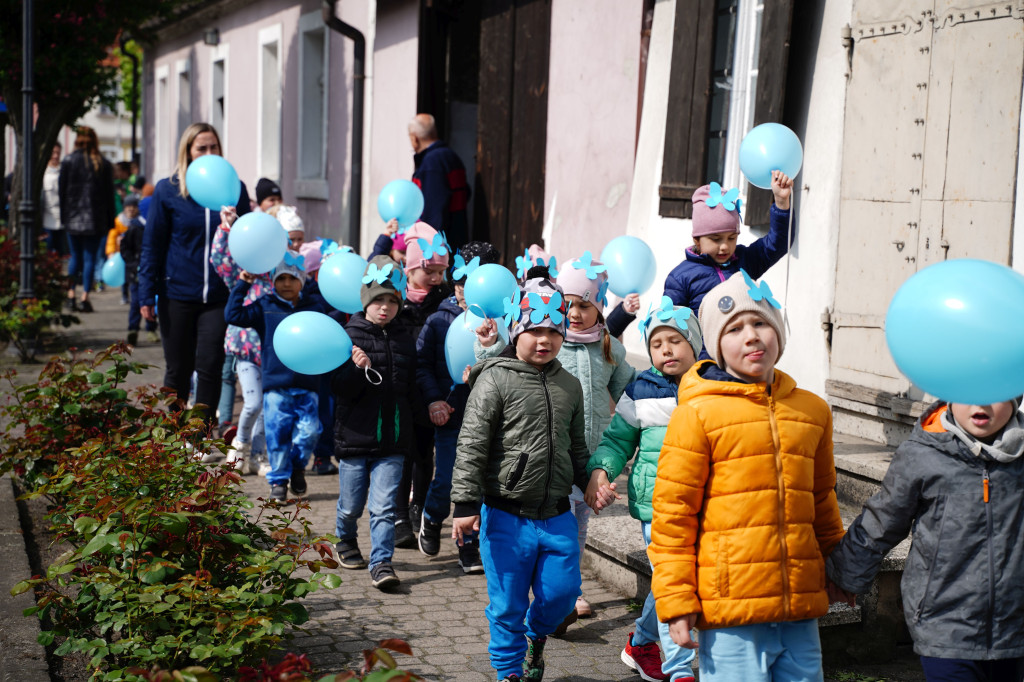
162,130
744,87
184,95
218,94
269,120
311,173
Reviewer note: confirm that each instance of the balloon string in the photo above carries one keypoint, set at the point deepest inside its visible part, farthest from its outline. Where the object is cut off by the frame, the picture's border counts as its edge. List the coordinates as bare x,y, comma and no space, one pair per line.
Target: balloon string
368,370
789,254
479,307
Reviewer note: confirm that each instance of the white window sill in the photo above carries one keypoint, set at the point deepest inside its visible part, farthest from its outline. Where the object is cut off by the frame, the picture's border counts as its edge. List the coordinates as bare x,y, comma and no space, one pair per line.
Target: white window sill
312,189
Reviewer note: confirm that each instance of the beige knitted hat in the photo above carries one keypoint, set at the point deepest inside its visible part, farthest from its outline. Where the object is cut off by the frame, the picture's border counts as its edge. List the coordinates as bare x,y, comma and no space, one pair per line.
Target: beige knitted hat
738,294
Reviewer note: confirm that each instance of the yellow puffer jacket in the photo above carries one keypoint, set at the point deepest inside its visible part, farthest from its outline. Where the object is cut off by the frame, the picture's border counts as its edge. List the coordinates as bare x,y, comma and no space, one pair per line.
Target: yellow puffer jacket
745,510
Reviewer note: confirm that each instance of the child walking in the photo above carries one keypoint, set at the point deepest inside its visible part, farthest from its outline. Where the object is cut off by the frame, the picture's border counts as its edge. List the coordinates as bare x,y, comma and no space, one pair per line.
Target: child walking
595,358
373,432
958,483
641,419
131,251
744,503
521,449
289,398
446,404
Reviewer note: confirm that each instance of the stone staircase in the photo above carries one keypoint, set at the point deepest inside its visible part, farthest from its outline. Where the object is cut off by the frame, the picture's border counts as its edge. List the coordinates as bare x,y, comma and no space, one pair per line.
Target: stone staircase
617,556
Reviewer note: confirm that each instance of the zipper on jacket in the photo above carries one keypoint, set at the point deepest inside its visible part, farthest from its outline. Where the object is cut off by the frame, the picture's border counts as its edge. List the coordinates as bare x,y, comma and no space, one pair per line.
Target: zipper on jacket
777,443
390,392
721,275
206,258
551,440
991,559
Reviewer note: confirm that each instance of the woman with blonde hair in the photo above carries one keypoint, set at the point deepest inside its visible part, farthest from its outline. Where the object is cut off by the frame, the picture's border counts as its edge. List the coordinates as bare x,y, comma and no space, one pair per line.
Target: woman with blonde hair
175,265
86,191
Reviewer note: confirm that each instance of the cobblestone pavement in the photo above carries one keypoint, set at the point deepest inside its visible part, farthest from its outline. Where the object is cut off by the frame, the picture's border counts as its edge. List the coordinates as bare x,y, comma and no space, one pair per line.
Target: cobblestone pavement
440,612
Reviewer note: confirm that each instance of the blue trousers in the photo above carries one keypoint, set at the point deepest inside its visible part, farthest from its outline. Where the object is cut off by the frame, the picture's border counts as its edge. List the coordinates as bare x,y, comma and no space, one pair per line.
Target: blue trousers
375,478
961,670
439,494
521,554
83,259
135,311
292,426
678,661
764,652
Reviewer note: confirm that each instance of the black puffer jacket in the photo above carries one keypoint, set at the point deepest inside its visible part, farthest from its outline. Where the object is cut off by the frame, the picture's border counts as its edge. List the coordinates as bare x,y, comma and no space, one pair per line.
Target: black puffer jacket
86,196
963,584
375,420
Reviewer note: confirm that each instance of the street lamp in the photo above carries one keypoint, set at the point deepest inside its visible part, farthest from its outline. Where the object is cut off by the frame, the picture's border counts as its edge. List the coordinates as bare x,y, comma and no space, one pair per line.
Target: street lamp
27,208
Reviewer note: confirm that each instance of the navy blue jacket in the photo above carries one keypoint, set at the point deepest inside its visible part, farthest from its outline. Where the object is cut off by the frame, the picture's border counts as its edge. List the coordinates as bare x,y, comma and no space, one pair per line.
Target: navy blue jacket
175,258
382,247
431,367
442,178
264,315
698,274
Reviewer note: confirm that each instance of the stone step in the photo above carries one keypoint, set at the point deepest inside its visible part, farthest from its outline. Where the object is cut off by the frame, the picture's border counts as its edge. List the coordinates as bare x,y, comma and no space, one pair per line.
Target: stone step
860,467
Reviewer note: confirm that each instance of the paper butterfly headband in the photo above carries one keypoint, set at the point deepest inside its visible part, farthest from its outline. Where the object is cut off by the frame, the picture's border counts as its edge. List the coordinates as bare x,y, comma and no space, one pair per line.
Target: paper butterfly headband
438,245
665,312
729,200
552,307
586,262
295,260
378,275
462,269
511,308
759,291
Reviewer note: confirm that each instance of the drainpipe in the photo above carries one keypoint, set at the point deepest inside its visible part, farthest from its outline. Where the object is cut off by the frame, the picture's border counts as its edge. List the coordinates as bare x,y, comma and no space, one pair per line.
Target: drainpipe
358,84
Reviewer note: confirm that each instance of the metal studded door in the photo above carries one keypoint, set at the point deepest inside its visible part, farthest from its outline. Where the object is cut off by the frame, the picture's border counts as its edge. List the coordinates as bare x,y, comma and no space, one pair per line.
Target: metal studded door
929,158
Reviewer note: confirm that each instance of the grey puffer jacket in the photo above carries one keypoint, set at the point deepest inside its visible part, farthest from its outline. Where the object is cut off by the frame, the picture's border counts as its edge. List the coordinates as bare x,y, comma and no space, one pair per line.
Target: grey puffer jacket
963,584
522,444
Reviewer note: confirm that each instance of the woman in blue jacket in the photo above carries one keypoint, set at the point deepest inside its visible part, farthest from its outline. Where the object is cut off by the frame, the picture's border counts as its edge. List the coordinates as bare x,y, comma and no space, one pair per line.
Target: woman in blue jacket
175,265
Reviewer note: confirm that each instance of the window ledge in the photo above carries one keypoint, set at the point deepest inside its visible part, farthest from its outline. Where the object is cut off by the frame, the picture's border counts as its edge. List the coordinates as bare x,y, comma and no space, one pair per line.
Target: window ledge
312,189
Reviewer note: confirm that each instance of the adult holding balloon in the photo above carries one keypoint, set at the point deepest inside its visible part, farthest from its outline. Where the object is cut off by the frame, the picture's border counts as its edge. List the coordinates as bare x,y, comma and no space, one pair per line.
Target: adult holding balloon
175,265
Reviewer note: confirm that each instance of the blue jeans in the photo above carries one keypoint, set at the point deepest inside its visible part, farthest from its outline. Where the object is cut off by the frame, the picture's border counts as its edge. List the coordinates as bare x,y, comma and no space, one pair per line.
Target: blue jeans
962,670
439,495
83,259
135,312
226,407
678,661
521,554
760,653
375,478
292,427
57,241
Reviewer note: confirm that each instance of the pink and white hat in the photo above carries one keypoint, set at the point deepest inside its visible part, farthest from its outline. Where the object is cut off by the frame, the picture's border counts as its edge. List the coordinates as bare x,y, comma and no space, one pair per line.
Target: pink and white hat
715,211
424,246
586,278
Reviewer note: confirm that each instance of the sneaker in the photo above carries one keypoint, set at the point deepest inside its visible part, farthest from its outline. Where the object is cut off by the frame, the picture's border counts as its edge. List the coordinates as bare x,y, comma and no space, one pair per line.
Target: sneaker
324,467
71,304
236,460
299,481
85,306
209,457
535,659
349,555
240,447
583,609
279,492
153,337
227,431
383,577
430,537
644,658
265,467
469,557
124,301
254,465
569,620
133,338
415,517
511,678
404,537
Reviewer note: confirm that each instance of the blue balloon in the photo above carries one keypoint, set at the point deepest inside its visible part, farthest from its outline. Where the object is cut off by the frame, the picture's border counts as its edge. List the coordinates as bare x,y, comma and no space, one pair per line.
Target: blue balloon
956,330
113,271
631,265
309,342
213,182
769,147
257,242
401,199
488,286
340,280
458,343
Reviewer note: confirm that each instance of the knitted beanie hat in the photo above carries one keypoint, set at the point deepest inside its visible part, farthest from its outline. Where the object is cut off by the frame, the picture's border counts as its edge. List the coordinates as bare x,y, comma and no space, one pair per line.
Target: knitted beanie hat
131,199
677,317
293,264
715,212
398,242
738,294
541,304
471,256
289,218
382,276
586,278
424,246
265,187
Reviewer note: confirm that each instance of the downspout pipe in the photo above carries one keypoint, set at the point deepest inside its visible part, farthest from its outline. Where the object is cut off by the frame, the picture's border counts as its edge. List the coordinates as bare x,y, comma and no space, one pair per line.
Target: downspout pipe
358,85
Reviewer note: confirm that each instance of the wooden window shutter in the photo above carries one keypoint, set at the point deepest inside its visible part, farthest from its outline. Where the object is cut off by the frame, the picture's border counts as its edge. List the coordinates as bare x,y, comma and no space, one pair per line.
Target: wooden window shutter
772,63
689,96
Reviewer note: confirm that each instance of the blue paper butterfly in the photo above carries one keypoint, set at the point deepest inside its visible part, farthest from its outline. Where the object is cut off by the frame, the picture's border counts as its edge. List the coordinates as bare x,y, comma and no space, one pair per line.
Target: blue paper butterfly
552,264
730,200
668,311
437,245
602,293
643,324
511,307
399,279
330,246
585,262
462,269
375,274
551,308
295,260
523,263
759,291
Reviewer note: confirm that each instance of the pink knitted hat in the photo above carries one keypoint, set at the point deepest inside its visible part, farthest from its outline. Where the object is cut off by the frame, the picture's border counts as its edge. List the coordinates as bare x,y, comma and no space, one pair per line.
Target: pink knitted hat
586,278
711,212
420,240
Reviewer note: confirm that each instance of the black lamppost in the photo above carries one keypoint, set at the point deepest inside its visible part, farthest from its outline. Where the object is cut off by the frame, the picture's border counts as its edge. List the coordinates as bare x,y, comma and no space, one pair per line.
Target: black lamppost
135,91
27,208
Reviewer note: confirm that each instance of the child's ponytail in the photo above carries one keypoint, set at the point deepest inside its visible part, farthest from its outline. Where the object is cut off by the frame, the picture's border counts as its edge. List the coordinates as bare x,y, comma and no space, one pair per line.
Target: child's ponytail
606,347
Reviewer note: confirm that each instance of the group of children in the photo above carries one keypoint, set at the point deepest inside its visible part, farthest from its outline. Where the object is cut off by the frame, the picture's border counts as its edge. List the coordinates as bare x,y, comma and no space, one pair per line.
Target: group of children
733,480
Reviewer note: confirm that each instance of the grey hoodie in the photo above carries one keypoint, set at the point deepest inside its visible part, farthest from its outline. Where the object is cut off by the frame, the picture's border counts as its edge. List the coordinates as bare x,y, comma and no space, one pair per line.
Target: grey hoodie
963,583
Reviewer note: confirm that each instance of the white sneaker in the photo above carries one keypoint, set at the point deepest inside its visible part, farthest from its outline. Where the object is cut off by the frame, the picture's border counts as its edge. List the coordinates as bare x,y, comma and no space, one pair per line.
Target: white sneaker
236,460
240,447
265,468
254,465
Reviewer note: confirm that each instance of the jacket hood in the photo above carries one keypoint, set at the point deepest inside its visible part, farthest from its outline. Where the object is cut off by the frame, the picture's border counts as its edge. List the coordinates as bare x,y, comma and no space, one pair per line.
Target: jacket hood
937,429
450,305
702,380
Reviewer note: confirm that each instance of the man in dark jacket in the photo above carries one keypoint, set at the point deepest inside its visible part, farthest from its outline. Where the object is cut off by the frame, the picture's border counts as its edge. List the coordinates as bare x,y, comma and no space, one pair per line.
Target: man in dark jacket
442,178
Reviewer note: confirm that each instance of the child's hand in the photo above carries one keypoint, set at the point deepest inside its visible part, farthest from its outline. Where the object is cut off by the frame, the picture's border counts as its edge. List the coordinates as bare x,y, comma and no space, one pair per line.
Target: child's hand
465,374
606,495
464,525
837,594
782,188
487,333
440,411
679,629
360,358
598,479
228,216
391,229
631,303
247,277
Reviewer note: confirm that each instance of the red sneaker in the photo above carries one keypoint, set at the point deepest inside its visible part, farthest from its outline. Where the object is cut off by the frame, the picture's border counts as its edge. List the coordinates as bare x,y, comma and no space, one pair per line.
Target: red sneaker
645,659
